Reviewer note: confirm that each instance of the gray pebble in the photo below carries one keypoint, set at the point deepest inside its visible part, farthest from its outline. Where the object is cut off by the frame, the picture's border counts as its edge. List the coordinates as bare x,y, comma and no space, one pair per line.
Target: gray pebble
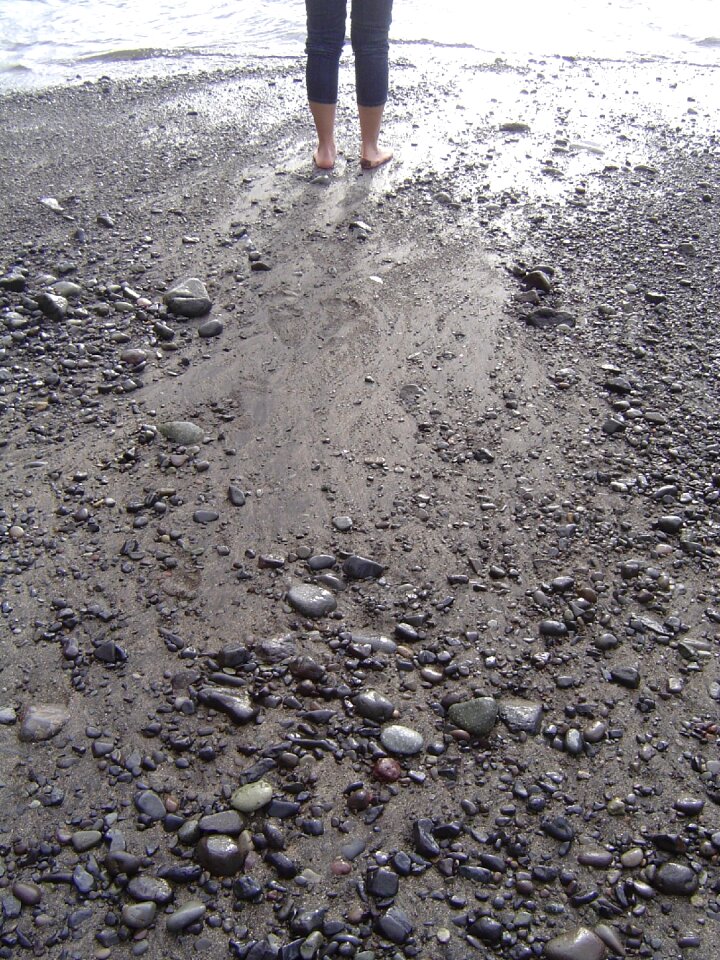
402,740
310,600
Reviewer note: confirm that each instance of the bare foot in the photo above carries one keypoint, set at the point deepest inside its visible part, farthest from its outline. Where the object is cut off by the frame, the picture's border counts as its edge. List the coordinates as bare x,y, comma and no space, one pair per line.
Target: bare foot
324,156
373,157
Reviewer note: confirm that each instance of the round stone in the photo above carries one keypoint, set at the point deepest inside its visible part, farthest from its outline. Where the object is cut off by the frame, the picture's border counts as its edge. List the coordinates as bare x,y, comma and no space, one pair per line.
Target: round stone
676,879
403,740
221,855
150,804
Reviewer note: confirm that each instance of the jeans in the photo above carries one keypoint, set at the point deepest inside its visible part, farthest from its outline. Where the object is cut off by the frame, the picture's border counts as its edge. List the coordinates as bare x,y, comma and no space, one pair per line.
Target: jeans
325,40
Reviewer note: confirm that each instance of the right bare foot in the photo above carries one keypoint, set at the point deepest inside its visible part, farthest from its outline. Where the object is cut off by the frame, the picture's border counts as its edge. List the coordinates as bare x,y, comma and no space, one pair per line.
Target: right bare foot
373,157
325,156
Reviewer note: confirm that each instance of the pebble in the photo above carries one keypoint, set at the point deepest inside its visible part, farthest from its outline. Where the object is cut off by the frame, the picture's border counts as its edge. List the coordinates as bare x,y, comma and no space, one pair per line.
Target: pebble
394,926
153,889
400,739
311,601
150,805
210,328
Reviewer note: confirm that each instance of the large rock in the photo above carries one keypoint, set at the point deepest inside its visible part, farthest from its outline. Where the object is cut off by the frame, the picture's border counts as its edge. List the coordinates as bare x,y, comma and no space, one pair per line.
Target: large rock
188,298
579,944
221,855
42,721
182,431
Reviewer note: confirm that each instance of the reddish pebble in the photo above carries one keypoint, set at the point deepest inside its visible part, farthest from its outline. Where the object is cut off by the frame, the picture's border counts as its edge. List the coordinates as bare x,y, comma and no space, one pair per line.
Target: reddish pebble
340,868
359,800
387,770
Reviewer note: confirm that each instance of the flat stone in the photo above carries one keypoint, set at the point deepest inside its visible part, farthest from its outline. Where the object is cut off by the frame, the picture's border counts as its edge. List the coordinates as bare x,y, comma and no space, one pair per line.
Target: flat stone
394,926
227,821
477,716
310,600
188,298
403,740
54,307
42,722
521,716
252,796
185,916
579,944
84,840
182,432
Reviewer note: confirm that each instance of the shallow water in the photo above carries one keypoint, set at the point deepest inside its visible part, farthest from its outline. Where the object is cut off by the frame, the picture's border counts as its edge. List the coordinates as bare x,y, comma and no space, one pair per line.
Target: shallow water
49,41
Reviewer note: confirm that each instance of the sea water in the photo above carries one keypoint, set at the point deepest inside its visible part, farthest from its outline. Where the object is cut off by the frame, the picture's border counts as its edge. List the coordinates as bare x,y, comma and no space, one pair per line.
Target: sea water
49,41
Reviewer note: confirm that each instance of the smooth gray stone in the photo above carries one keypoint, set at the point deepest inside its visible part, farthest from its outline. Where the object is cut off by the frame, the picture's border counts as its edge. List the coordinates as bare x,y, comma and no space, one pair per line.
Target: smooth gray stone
236,496
67,289
139,916
42,722
399,739
521,716
28,893
182,432
210,328
188,298
579,944
310,600
184,916
373,706
477,716
252,796
150,804
275,649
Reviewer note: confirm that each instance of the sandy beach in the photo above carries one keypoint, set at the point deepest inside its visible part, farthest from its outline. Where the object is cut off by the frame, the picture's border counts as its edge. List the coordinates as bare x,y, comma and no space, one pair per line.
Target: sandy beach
359,532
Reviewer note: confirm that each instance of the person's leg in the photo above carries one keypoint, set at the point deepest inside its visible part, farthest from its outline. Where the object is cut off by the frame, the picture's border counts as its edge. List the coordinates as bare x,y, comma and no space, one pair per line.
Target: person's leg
369,33
325,39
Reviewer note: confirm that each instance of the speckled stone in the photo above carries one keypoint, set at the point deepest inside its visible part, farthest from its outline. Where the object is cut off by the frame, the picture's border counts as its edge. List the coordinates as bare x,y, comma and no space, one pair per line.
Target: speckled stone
252,796
182,432
477,716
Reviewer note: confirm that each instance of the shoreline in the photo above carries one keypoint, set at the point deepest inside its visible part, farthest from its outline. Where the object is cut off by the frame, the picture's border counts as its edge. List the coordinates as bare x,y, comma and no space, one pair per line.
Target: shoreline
455,469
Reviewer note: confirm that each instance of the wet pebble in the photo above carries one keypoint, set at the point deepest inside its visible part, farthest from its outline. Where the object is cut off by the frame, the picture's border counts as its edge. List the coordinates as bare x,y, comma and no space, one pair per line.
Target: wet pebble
221,855
186,915
252,796
373,706
676,879
579,944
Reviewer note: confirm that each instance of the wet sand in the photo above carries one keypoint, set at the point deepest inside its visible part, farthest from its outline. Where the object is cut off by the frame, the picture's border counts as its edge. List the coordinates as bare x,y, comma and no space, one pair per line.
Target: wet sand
455,469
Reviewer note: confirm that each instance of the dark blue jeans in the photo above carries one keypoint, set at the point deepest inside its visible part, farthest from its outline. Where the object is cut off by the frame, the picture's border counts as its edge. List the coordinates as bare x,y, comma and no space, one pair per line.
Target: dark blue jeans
369,36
